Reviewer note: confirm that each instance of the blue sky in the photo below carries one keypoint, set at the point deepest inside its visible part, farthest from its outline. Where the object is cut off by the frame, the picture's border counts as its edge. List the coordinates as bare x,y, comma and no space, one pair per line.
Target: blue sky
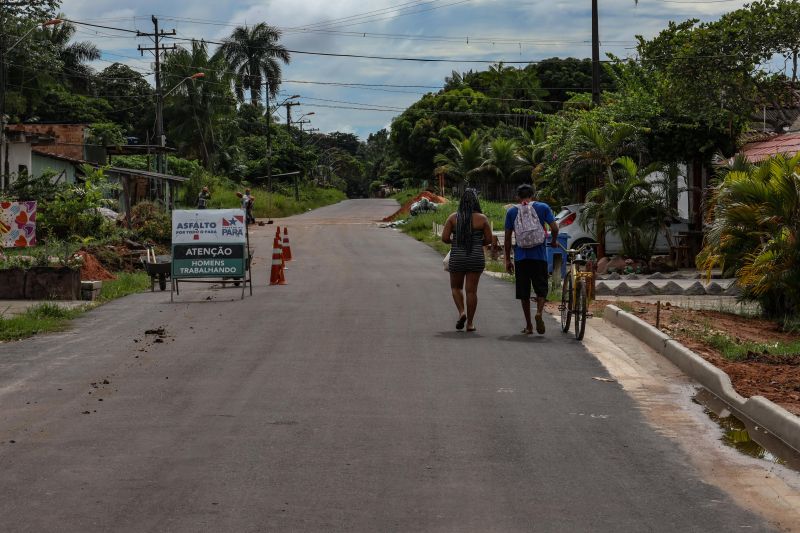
523,30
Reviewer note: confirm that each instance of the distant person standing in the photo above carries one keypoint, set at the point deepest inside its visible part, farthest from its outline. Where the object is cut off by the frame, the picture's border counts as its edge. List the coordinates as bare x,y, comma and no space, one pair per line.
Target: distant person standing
468,231
203,198
526,221
247,203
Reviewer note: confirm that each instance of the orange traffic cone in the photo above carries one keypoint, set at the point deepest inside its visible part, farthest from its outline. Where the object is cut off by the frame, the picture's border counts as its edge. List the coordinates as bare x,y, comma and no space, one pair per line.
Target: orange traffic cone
287,249
278,233
276,276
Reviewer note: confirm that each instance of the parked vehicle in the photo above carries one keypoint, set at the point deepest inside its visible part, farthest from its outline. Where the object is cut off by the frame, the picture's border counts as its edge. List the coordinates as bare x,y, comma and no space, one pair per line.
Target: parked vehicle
570,221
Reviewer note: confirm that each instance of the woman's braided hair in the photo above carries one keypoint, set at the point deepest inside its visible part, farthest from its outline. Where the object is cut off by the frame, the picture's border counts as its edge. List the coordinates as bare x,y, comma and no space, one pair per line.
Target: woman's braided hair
468,205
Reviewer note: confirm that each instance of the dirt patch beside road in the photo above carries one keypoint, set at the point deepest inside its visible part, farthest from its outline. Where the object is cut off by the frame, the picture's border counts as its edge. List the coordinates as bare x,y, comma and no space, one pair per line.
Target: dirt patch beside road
713,335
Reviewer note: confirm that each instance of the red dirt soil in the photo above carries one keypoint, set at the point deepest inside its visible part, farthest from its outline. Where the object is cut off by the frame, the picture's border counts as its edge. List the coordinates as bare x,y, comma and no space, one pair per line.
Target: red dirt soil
92,270
777,378
406,208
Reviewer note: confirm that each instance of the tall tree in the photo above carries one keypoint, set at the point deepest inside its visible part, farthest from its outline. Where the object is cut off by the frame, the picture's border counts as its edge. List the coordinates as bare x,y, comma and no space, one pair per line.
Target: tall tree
133,96
73,55
196,106
256,54
465,157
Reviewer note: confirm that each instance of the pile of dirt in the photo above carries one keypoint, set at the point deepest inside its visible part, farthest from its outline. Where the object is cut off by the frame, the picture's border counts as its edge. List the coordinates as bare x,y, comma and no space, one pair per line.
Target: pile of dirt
775,377
92,270
406,207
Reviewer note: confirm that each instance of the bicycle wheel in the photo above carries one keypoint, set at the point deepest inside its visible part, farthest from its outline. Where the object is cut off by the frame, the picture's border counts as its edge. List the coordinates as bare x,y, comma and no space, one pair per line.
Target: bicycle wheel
580,310
566,303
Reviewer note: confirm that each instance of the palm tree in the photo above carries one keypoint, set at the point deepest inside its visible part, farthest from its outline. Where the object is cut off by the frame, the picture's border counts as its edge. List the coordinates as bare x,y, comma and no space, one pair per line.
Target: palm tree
598,148
630,205
256,56
465,159
531,154
501,160
73,56
596,151
196,107
755,233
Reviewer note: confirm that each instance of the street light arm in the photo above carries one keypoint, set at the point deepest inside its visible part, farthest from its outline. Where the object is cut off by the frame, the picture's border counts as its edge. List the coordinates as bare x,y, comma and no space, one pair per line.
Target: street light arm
51,22
192,77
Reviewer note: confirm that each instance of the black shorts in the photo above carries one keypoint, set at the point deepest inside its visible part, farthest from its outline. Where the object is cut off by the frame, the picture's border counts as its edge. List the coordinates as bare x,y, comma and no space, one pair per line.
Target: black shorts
531,272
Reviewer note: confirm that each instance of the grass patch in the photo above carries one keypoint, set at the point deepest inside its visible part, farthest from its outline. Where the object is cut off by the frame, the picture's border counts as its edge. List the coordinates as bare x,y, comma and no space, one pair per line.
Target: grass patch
625,306
42,318
737,350
48,317
125,284
278,204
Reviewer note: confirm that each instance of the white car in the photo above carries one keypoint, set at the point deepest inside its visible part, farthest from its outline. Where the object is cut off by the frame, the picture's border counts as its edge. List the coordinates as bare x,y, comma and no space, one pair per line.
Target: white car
570,219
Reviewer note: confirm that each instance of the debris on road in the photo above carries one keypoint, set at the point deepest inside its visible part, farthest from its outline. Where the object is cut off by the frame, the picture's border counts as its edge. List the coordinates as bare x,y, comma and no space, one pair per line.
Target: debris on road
605,380
160,331
407,207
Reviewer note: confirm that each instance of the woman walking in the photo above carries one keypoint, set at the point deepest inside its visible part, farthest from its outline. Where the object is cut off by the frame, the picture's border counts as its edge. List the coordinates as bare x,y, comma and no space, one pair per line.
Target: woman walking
468,231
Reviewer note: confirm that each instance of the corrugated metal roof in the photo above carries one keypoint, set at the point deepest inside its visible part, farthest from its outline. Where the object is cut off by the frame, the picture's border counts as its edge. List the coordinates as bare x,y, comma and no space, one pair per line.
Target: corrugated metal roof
788,144
146,174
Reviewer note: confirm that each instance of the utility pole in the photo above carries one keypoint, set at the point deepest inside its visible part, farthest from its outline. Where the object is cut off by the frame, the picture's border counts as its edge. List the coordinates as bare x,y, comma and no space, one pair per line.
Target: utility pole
161,160
595,54
289,106
4,178
303,145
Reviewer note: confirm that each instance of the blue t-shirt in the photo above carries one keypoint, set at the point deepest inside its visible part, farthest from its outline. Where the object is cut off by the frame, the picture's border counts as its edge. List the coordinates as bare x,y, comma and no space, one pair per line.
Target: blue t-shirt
537,252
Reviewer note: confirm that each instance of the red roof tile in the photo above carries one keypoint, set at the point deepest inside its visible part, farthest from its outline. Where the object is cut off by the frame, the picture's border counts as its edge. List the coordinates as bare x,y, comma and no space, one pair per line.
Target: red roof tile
788,144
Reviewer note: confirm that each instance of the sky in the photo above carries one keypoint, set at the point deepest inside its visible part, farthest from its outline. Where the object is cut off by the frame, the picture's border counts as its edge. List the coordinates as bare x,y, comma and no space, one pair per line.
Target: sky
456,30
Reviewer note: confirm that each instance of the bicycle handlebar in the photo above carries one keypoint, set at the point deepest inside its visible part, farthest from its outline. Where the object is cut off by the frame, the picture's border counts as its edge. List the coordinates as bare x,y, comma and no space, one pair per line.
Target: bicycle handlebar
573,251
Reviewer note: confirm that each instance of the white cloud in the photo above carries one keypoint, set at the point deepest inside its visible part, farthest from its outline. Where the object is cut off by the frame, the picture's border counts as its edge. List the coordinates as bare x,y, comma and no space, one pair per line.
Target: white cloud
559,27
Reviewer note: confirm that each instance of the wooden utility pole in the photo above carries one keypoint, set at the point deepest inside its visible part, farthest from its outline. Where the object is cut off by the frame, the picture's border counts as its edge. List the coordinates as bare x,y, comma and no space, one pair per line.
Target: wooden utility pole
161,163
289,106
595,54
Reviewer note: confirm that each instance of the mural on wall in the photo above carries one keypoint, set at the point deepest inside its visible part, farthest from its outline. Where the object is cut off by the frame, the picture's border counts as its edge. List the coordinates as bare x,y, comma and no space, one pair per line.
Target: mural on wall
17,224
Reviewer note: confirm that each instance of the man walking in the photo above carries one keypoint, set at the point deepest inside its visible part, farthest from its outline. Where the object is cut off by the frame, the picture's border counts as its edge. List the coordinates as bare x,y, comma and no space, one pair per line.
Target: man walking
526,221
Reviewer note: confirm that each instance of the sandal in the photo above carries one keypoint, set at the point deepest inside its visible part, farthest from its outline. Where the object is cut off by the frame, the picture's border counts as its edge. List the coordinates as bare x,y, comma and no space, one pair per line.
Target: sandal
461,322
527,331
539,325
470,330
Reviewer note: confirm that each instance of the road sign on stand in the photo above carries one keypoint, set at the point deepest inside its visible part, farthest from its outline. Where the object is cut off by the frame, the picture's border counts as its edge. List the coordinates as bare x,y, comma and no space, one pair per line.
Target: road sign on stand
209,243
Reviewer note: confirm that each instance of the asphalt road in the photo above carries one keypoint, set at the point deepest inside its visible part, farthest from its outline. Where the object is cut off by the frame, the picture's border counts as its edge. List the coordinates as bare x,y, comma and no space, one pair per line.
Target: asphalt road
342,401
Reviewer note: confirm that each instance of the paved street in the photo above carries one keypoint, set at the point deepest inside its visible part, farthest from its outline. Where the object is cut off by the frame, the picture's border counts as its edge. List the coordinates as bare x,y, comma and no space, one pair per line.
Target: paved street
343,401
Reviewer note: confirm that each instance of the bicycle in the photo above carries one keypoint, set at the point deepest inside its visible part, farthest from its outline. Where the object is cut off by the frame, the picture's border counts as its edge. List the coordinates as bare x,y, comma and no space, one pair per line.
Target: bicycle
577,291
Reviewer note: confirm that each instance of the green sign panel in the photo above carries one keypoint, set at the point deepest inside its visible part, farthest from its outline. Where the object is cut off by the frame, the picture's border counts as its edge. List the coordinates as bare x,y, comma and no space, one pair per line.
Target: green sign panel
208,260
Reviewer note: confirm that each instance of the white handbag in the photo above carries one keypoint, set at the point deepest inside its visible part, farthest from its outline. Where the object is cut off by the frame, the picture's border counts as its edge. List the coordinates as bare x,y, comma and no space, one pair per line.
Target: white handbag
446,262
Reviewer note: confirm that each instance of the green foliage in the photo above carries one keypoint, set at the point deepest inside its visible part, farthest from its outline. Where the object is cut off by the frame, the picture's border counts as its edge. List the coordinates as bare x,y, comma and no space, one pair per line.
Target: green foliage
49,317
34,188
61,105
255,53
630,205
120,83
197,106
106,134
151,222
41,318
278,204
125,284
755,230
73,212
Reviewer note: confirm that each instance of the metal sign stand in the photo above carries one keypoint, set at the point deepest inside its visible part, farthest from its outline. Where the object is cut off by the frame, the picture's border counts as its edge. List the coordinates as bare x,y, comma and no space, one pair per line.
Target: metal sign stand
245,280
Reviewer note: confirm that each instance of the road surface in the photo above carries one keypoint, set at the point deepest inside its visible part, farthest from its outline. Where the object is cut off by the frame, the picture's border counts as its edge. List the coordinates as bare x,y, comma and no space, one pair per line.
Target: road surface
344,401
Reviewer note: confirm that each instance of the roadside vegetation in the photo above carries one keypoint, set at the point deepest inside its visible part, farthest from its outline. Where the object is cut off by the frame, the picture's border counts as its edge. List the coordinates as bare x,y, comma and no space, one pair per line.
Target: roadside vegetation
45,317
50,317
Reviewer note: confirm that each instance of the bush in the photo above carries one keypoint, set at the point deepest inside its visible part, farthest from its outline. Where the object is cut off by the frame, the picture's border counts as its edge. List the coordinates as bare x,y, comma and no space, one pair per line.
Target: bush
150,222
73,211
755,231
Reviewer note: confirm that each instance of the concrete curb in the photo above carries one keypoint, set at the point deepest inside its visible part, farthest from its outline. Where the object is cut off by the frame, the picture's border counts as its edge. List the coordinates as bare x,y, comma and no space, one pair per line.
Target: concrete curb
763,412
